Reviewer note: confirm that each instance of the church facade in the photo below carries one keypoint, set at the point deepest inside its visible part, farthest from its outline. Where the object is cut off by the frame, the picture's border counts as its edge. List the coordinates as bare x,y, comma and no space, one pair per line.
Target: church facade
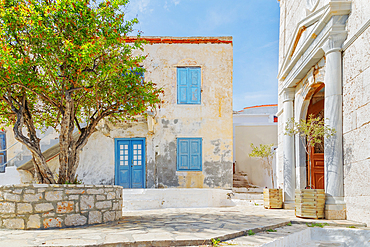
324,70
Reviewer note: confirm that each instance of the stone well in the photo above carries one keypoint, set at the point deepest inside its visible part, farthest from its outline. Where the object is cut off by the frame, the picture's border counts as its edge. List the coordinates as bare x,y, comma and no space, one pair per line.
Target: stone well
42,206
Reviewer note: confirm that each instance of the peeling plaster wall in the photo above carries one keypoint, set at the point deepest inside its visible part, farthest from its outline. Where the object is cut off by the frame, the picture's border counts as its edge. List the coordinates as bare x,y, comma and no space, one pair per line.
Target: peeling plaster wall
212,121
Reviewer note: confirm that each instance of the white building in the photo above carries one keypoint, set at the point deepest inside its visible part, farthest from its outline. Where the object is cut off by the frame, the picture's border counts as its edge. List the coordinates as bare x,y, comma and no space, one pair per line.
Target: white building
257,125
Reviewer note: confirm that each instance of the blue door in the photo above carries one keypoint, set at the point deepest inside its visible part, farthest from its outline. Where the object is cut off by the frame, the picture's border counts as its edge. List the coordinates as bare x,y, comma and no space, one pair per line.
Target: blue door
2,152
130,163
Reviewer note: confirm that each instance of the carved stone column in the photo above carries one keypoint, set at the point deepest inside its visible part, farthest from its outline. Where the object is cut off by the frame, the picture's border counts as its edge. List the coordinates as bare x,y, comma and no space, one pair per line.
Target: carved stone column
335,207
289,166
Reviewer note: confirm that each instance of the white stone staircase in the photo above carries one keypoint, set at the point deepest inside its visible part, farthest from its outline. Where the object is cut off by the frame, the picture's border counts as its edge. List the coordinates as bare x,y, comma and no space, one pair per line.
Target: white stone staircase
23,155
248,196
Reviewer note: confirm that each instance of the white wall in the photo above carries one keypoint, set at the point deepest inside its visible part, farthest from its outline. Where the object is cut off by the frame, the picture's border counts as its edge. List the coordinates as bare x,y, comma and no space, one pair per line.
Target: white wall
11,176
257,170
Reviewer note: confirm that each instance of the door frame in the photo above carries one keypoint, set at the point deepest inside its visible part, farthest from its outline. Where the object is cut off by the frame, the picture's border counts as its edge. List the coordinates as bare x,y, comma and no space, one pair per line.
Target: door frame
116,158
314,109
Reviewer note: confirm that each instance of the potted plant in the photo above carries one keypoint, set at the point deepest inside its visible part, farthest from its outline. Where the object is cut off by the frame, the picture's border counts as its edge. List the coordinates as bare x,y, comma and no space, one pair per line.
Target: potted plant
272,198
309,202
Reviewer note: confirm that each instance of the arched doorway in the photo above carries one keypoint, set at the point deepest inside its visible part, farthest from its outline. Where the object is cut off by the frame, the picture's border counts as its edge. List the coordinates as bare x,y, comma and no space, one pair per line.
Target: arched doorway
315,173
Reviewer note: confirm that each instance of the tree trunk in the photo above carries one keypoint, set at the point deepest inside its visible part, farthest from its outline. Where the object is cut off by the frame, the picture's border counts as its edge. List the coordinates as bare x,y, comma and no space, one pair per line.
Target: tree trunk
42,171
309,166
70,147
67,155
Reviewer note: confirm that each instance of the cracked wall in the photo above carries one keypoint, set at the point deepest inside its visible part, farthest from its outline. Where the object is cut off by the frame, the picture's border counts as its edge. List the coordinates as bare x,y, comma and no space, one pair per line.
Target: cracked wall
211,121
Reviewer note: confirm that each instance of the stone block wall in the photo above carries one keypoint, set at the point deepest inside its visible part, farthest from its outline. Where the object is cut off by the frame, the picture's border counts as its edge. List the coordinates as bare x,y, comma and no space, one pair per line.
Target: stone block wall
42,206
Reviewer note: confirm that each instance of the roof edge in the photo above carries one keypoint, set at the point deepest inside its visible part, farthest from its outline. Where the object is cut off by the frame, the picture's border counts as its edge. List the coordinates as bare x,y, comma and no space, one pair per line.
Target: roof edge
181,40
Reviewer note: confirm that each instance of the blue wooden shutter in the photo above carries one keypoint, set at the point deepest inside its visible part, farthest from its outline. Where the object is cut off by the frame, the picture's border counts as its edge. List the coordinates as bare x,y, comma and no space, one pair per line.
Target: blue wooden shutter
196,154
182,86
183,154
194,84
189,154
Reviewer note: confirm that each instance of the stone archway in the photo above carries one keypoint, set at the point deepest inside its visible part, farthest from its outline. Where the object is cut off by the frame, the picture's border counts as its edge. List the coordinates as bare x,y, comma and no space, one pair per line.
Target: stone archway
308,96
315,171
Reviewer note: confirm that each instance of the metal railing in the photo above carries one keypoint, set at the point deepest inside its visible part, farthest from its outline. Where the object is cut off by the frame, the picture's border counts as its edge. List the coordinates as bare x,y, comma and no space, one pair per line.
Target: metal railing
19,153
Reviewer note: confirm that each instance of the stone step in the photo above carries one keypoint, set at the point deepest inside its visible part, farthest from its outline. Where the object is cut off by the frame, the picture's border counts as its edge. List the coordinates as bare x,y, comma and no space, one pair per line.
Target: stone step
248,202
247,196
240,178
248,190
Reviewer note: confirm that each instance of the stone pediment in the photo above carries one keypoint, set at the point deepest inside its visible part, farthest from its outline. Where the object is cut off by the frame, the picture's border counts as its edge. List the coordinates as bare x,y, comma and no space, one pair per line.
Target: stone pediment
309,35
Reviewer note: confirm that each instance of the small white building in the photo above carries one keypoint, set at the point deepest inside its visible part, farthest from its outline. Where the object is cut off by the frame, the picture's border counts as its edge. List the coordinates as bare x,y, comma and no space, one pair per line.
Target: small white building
257,125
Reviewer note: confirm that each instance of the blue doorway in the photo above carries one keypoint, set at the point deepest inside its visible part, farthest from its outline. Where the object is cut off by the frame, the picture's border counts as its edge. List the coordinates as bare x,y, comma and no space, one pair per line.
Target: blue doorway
2,151
130,162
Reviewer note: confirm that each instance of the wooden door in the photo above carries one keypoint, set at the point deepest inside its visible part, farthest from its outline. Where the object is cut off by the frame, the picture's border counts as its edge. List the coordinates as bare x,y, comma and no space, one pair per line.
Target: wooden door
316,173
130,163
317,169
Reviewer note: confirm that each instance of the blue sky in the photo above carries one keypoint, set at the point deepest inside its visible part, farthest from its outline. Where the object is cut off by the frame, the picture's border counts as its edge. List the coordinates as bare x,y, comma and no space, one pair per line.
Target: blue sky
254,25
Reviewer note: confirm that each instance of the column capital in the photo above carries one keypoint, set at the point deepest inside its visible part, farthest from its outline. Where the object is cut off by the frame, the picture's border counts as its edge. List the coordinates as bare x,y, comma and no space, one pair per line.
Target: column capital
335,41
288,94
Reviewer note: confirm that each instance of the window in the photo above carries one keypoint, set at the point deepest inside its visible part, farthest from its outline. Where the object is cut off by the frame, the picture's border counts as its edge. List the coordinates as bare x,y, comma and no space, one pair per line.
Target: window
189,154
188,85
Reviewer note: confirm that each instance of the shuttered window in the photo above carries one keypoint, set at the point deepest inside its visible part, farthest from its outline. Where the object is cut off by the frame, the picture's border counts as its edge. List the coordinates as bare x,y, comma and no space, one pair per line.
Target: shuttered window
189,154
188,85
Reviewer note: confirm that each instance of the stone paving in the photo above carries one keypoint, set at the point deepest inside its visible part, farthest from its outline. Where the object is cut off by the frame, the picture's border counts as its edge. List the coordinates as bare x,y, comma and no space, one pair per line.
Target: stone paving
163,227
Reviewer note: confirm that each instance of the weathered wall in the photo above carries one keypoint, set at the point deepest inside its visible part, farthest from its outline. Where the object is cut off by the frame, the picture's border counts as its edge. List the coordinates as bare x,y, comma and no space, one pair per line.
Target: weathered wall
356,116
212,121
42,206
257,170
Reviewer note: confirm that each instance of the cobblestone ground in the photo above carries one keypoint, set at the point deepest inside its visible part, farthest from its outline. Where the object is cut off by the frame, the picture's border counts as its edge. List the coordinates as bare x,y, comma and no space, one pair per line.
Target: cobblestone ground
165,227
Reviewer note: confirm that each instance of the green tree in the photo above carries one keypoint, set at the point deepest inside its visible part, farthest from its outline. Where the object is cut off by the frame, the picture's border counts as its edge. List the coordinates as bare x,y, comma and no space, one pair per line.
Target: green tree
264,152
311,132
67,64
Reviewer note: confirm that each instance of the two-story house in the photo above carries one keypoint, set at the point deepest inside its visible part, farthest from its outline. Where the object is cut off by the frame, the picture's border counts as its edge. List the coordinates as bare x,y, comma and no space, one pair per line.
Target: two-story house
188,141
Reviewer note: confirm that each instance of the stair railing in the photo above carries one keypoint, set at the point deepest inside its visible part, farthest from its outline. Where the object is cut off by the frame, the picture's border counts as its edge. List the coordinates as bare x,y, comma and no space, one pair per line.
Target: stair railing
15,156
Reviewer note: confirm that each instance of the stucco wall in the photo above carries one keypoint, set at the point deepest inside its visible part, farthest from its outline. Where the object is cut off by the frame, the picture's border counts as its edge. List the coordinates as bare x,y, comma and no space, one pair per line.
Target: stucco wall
256,169
212,121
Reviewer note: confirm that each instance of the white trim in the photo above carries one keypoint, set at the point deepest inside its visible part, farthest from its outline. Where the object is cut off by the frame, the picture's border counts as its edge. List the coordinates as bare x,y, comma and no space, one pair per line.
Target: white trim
280,112
322,17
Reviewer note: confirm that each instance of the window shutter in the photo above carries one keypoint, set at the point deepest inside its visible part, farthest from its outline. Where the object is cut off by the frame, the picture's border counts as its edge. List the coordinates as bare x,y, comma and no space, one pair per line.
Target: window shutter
196,154
182,86
194,86
183,154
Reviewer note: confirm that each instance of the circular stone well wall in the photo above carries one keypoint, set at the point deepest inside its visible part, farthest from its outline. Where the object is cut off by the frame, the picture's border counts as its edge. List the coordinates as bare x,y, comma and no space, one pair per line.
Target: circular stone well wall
42,206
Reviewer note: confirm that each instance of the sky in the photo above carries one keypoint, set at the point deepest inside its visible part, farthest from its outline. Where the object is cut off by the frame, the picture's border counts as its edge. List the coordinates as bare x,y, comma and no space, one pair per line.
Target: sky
253,24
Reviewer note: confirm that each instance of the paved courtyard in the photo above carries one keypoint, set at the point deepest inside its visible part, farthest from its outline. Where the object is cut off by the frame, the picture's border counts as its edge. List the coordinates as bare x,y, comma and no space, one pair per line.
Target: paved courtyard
170,227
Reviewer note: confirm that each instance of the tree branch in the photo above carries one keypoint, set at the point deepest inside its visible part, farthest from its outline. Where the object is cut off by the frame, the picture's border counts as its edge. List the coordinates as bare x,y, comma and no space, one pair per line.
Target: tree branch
41,95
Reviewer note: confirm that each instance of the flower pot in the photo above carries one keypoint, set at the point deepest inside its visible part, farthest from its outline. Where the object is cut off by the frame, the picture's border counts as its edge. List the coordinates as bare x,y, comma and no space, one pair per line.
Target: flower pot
273,198
310,203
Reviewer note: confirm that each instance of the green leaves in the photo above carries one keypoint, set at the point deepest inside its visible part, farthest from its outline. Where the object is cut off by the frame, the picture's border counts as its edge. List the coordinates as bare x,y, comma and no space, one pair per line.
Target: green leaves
313,129
48,48
263,151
